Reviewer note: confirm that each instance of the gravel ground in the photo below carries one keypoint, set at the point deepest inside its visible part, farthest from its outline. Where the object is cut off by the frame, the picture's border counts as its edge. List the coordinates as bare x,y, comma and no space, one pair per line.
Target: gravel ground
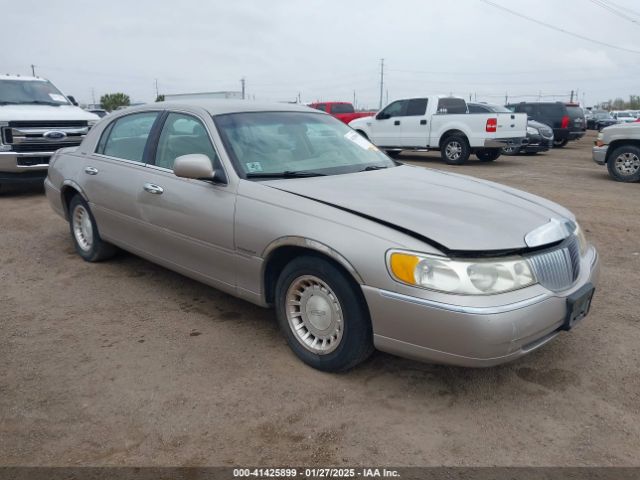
126,363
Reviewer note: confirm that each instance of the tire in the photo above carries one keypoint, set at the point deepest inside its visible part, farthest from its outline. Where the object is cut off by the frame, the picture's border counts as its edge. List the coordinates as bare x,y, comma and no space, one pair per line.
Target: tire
510,151
624,164
488,154
560,143
455,150
393,153
341,314
84,232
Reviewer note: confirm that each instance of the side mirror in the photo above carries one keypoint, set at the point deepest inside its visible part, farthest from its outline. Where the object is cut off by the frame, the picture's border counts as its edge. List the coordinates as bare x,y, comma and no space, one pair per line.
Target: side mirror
196,166
72,100
382,116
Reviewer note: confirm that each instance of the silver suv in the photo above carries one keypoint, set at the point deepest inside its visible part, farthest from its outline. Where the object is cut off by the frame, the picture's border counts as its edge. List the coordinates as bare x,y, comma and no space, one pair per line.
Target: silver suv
618,147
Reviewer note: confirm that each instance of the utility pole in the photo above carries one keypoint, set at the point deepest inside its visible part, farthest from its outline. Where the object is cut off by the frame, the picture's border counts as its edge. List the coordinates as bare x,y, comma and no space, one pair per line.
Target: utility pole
506,98
93,96
571,101
382,81
157,91
242,82
354,99
33,70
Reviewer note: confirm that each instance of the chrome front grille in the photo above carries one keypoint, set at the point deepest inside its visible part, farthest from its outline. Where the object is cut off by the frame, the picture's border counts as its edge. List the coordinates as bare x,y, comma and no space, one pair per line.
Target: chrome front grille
41,136
558,269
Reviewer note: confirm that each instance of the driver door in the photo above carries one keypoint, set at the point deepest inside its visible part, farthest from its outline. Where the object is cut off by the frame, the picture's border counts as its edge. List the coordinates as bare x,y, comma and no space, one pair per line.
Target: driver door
386,127
192,220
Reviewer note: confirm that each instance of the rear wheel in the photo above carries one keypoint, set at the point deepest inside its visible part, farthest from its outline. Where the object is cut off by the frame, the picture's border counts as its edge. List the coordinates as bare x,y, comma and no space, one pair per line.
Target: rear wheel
624,164
510,150
84,232
323,314
560,143
488,154
455,150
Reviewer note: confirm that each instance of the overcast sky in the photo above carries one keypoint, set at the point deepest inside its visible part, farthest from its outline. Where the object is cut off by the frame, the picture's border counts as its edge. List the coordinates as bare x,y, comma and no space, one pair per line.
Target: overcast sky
324,49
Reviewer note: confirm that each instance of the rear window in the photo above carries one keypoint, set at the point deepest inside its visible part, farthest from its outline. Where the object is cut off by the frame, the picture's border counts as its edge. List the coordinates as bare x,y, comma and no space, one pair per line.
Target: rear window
575,112
452,105
551,109
342,108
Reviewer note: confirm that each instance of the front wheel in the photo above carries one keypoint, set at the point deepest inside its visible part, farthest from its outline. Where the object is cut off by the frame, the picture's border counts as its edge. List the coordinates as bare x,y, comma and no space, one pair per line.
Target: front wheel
84,232
455,150
560,143
323,315
488,154
624,164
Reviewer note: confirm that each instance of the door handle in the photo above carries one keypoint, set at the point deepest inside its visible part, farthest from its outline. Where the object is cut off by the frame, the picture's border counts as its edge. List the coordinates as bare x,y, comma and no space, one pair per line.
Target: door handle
90,170
397,122
423,122
153,188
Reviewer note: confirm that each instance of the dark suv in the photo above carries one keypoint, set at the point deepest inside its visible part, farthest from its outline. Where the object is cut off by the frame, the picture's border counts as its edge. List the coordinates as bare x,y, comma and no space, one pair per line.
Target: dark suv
566,119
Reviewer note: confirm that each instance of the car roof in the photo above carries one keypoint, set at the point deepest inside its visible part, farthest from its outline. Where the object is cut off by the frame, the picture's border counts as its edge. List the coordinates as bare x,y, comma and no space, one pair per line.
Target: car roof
224,106
25,78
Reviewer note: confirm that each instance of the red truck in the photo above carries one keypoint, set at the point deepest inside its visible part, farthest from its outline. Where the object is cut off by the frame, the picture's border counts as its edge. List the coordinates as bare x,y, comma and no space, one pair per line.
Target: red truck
343,111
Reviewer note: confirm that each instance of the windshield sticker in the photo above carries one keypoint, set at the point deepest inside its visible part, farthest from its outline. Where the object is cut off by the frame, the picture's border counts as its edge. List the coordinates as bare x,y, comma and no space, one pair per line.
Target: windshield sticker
253,167
58,98
359,140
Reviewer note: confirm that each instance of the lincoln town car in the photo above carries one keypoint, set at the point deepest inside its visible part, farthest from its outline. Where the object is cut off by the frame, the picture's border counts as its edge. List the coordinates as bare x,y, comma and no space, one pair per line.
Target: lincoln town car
286,207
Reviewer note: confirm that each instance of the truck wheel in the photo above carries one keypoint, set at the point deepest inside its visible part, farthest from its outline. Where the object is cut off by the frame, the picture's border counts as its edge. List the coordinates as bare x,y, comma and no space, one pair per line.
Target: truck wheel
84,232
560,143
323,314
488,154
455,150
624,164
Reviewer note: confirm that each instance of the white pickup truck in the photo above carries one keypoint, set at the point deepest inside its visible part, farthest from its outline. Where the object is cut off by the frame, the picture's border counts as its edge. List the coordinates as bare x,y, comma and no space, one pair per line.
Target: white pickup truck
442,123
36,119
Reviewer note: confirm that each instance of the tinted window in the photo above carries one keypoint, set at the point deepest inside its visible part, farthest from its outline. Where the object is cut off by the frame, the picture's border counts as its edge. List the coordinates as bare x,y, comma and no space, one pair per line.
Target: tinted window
396,109
342,108
575,112
478,108
417,106
182,135
551,109
452,105
321,106
127,136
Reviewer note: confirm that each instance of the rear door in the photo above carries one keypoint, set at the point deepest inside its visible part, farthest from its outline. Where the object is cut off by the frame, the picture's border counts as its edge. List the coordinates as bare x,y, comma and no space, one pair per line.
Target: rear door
191,220
386,126
111,177
577,121
415,125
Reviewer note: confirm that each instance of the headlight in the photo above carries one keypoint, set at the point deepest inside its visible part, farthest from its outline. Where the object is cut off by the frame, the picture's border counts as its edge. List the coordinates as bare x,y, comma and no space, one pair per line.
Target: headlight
532,131
466,277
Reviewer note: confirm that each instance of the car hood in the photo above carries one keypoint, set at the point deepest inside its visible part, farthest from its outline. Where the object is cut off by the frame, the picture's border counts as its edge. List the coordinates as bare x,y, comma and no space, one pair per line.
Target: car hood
454,212
44,112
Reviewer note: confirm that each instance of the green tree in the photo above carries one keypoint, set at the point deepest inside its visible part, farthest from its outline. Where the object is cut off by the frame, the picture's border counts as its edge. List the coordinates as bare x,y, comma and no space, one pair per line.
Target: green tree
111,101
618,104
160,98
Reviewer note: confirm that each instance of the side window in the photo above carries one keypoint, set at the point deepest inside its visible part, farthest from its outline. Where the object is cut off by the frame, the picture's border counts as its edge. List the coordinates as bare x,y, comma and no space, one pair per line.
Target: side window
395,109
183,135
127,136
416,106
321,106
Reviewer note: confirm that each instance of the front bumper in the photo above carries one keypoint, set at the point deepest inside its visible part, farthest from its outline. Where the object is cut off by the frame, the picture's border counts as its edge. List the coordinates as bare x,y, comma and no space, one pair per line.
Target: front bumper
471,336
599,154
15,164
537,143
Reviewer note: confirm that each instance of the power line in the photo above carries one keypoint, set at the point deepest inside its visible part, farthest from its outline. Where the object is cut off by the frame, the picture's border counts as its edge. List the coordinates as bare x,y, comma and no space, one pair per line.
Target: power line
627,9
558,29
381,79
613,10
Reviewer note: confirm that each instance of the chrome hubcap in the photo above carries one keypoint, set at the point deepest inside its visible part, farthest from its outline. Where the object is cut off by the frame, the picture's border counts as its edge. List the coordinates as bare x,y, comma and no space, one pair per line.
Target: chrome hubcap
453,150
314,314
82,229
627,164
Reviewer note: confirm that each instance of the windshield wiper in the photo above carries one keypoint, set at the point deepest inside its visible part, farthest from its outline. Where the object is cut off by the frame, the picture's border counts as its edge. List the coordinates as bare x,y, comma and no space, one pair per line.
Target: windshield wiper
373,167
41,102
285,174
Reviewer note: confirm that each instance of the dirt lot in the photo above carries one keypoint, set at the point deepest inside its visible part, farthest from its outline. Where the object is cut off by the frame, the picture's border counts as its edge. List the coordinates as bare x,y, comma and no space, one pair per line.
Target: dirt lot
128,363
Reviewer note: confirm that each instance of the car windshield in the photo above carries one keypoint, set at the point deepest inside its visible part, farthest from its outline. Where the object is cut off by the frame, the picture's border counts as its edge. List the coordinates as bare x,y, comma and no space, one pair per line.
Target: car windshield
268,144
30,92
602,116
624,114
500,109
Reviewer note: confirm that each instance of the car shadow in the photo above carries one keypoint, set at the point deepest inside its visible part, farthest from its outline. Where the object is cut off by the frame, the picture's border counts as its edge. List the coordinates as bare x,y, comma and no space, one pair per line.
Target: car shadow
21,190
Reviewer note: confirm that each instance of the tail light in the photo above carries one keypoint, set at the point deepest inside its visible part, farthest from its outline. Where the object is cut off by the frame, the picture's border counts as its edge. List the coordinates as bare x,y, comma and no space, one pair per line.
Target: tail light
492,124
565,122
